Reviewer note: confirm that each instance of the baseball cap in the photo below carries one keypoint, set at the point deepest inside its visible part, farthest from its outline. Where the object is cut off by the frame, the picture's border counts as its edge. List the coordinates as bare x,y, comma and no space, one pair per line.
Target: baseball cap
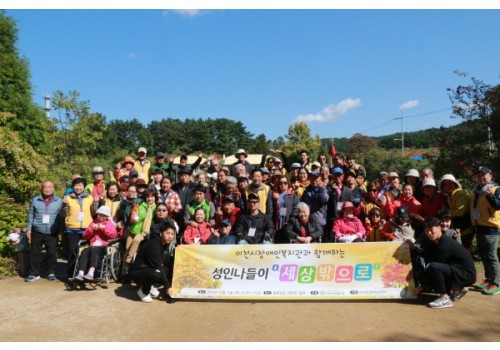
142,149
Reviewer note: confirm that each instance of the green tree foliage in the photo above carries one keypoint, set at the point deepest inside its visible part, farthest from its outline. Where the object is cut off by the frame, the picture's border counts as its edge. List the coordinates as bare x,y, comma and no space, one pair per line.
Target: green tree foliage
127,135
16,90
299,138
377,160
21,167
79,132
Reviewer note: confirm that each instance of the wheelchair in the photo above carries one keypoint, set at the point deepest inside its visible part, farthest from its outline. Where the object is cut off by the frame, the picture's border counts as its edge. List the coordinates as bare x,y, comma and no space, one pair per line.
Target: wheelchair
108,267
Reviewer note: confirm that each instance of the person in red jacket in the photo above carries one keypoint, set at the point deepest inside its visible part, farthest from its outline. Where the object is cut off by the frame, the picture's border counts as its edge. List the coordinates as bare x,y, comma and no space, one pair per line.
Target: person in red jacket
200,233
348,228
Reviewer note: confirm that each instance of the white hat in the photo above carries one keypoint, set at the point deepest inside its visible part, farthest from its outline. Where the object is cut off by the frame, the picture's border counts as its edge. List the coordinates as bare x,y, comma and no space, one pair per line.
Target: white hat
316,164
450,178
241,151
97,169
142,149
428,182
104,210
412,172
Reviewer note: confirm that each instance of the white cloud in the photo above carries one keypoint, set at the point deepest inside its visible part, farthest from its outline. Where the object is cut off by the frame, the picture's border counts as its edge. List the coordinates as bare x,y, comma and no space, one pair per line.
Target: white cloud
134,54
409,105
187,13
330,112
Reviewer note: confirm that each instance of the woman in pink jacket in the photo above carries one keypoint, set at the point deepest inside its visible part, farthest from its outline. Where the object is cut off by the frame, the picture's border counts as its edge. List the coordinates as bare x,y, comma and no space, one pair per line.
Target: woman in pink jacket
348,228
200,231
99,232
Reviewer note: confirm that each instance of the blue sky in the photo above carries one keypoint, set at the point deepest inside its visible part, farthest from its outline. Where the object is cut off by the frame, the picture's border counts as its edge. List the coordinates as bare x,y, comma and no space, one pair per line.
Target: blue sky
341,71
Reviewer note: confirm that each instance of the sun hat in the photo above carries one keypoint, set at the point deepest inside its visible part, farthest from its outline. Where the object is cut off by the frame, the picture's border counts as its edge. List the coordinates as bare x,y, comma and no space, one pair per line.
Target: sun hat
241,151
97,170
412,172
428,182
448,177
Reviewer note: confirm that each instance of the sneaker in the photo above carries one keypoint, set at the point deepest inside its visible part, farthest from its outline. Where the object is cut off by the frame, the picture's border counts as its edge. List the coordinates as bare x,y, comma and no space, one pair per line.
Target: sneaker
491,289
154,292
482,285
144,298
441,303
459,294
31,278
78,278
89,277
51,277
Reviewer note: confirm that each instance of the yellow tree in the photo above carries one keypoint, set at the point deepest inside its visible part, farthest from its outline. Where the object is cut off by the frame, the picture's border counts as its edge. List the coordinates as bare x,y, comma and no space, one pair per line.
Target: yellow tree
299,138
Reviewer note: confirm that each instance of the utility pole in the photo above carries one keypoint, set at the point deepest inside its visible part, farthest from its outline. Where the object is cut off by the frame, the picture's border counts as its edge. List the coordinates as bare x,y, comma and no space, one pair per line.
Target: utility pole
402,134
47,106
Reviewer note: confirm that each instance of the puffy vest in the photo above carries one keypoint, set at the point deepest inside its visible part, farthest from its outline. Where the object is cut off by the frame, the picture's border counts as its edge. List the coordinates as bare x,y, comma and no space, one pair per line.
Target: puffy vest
488,216
204,204
76,207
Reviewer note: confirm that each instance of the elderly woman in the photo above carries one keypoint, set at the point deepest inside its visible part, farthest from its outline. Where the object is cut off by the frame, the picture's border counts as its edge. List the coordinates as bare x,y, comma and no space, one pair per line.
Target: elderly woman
202,179
348,228
303,228
458,201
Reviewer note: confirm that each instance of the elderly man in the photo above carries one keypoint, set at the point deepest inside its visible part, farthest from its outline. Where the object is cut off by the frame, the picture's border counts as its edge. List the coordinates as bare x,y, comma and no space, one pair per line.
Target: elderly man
242,156
485,216
43,227
141,164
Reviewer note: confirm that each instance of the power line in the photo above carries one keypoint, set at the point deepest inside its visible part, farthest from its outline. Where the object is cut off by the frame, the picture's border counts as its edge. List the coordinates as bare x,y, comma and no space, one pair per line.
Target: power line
410,116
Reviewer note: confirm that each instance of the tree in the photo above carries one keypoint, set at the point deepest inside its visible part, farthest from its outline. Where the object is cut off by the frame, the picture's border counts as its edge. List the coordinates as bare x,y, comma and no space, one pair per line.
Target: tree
79,132
478,142
16,91
359,145
299,138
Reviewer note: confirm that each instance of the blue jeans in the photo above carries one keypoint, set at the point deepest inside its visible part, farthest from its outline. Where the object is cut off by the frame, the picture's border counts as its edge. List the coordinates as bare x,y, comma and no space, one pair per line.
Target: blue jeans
487,246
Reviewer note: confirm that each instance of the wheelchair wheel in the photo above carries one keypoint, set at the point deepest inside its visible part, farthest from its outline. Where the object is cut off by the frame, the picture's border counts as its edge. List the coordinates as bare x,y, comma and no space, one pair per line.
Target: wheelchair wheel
115,263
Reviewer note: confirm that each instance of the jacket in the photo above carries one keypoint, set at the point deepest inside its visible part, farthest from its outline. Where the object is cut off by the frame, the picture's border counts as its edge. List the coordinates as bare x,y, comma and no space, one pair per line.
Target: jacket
316,198
312,228
485,211
263,225
137,227
202,232
349,226
38,209
288,204
99,237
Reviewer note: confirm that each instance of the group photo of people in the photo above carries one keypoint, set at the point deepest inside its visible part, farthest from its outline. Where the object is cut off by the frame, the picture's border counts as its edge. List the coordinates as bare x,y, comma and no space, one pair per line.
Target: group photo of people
150,207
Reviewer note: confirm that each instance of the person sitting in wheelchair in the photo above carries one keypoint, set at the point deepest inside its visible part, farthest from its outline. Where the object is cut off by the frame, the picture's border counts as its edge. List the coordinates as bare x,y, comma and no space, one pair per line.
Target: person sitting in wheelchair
348,228
99,232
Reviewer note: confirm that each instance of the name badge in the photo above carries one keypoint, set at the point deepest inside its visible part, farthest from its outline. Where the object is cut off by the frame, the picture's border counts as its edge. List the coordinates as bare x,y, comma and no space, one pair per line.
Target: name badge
196,240
340,205
477,214
282,211
251,232
45,219
80,216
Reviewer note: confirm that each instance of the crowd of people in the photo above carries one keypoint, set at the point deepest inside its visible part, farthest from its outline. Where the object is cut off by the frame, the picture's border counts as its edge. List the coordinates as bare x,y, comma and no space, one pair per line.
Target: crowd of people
154,206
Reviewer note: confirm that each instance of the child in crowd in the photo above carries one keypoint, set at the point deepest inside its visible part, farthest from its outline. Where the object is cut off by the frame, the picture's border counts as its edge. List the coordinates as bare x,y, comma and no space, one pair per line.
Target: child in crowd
399,227
99,232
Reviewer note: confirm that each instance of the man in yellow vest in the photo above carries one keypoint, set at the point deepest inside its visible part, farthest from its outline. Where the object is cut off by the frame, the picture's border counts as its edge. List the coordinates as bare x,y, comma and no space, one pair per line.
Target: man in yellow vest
485,216
142,165
262,190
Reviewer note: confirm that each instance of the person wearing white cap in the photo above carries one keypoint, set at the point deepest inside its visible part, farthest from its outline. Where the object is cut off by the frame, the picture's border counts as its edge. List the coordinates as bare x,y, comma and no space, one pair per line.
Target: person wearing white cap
97,189
242,156
141,164
98,233
458,201
433,200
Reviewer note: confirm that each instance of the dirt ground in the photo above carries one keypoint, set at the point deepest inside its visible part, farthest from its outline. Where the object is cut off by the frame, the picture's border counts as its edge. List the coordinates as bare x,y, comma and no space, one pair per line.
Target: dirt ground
45,311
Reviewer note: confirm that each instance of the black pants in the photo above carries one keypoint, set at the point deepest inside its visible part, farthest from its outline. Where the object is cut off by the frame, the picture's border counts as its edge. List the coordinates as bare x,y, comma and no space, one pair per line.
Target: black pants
441,277
38,240
146,277
94,254
72,238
